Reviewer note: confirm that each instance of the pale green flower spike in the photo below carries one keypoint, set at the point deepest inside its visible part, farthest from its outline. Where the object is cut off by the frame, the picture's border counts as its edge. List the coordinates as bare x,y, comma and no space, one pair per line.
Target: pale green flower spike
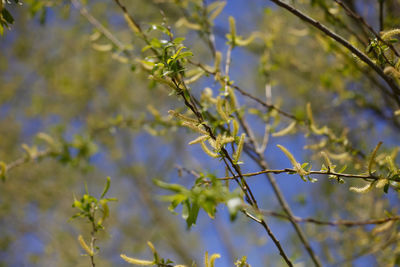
236,156
389,34
286,130
372,159
220,109
137,261
182,117
235,127
296,165
208,151
199,139
85,246
362,190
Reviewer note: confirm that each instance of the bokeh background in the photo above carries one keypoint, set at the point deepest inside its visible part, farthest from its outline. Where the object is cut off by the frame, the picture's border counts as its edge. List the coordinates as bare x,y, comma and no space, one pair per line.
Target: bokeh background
52,80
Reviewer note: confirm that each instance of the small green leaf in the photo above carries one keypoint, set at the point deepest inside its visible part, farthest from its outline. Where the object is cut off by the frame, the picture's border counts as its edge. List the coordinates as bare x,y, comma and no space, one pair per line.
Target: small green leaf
106,187
386,188
7,16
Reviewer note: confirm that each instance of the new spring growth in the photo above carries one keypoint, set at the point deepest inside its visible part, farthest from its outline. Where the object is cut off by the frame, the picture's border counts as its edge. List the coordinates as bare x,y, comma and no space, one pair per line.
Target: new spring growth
217,64
362,190
235,126
165,81
286,130
208,151
157,261
216,8
381,228
389,34
49,140
3,170
372,159
137,261
199,139
313,127
182,117
209,262
232,28
131,23
233,100
85,247
236,155
328,162
31,152
195,127
392,71
220,109
296,165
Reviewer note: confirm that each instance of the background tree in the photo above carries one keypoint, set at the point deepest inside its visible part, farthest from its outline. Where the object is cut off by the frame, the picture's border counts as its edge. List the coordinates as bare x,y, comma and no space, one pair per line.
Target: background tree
119,88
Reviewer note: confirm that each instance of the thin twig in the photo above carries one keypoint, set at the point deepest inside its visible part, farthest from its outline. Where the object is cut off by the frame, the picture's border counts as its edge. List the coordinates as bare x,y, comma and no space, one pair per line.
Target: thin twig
381,26
346,223
328,172
20,161
191,104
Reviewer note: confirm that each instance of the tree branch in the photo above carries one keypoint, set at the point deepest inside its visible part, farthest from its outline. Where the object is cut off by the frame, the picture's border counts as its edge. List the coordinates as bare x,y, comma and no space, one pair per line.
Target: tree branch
395,88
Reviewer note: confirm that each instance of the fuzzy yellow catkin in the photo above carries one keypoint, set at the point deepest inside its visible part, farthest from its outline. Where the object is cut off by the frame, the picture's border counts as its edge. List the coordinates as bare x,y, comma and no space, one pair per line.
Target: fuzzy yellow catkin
220,109
285,131
136,261
184,22
194,127
372,159
381,228
233,100
3,169
208,151
151,246
217,61
239,149
134,27
182,117
296,165
47,138
327,160
362,190
85,246
232,27
227,139
389,34
235,125
309,113
199,139
29,152
213,258
206,262
214,14
163,81
392,71
381,183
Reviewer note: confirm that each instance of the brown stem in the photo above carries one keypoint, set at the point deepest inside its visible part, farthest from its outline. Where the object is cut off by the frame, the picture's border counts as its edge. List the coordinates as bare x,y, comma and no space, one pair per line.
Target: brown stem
346,223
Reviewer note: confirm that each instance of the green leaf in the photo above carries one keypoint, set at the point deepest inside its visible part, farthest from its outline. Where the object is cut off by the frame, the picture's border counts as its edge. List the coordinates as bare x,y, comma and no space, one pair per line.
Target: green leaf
106,187
172,187
386,188
7,16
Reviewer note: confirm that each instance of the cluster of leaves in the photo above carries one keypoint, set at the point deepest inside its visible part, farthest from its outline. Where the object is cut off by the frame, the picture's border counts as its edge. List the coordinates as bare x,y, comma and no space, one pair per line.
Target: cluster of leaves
6,19
88,205
206,194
